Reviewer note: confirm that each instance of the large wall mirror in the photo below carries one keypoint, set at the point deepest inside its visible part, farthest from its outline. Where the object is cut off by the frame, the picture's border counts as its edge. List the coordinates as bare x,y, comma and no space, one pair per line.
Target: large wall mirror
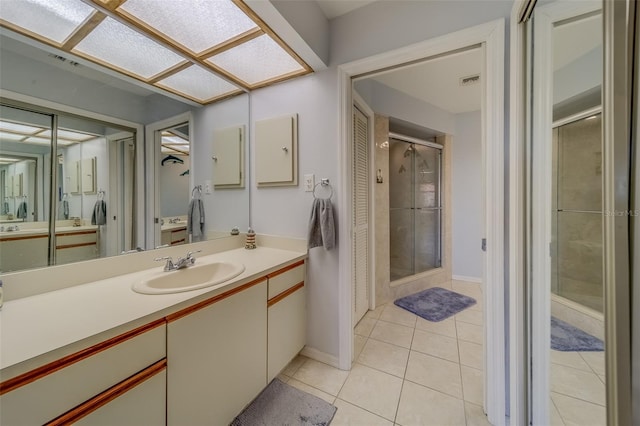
126,160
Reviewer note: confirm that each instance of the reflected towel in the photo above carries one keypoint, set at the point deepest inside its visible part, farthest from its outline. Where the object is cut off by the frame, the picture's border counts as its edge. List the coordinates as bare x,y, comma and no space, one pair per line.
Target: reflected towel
65,209
99,216
195,220
22,210
5,208
322,230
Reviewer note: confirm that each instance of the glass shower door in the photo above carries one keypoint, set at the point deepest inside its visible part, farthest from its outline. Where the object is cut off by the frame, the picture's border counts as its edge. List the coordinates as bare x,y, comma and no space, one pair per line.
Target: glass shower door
428,208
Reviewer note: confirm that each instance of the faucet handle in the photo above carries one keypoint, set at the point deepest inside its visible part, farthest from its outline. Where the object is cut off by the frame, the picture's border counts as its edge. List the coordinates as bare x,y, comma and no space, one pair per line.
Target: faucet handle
159,259
189,254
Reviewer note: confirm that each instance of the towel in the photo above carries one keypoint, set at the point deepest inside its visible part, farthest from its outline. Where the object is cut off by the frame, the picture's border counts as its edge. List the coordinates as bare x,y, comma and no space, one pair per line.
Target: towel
5,208
22,210
99,216
65,209
195,220
322,230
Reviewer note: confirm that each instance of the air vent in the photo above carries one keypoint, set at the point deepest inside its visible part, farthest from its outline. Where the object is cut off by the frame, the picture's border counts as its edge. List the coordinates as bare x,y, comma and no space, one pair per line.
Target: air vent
469,80
63,59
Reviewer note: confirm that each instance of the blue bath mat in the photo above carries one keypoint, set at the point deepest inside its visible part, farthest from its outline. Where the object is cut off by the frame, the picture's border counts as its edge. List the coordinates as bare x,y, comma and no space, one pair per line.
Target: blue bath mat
567,338
435,304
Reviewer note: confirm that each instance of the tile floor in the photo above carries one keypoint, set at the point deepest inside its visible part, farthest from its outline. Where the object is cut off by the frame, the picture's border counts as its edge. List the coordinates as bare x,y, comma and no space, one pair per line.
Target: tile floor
407,371
577,388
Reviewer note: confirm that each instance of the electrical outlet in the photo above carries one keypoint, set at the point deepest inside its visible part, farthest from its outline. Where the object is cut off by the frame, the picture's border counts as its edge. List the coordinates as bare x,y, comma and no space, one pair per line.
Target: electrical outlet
309,182
207,187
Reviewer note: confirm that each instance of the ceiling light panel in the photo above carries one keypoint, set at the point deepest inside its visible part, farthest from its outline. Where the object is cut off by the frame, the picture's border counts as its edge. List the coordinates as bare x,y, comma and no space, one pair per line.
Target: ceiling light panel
54,20
68,135
116,44
197,25
257,60
46,141
173,140
198,84
10,136
19,128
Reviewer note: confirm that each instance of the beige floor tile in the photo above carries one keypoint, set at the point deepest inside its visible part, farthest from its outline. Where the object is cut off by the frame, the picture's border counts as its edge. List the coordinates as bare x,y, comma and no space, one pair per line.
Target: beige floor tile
375,314
321,376
386,357
554,415
472,384
283,378
468,289
435,373
294,365
372,390
435,344
423,406
471,354
470,332
364,327
472,317
479,306
350,415
395,334
577,383
313,391
569,359
603,378
595,361
575,412
475,415
358,344
446,327
396,315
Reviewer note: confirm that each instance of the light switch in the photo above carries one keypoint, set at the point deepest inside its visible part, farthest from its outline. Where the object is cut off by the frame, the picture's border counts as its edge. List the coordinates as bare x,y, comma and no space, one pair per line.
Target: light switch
309,182
207,187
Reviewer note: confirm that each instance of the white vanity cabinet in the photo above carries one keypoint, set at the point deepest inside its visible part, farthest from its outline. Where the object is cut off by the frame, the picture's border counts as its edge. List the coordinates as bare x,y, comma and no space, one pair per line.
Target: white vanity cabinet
217,356
286,317
92,381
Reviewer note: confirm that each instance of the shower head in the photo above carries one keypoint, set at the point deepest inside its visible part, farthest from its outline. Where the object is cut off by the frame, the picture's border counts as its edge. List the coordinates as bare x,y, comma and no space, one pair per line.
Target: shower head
410,150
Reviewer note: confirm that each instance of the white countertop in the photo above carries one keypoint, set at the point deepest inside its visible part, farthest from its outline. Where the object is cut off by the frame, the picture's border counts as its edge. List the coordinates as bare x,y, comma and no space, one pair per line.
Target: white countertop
25,232
33,326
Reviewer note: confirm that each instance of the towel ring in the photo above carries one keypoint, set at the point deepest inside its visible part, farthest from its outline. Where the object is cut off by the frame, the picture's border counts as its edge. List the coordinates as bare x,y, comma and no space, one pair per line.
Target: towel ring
323,184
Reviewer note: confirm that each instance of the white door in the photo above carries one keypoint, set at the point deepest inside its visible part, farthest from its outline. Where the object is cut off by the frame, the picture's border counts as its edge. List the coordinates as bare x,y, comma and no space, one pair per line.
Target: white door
360,215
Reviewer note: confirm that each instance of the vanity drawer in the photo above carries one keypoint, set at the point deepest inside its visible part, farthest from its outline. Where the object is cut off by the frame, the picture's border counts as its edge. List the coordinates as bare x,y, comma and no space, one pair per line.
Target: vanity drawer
75,239
285,278
43,394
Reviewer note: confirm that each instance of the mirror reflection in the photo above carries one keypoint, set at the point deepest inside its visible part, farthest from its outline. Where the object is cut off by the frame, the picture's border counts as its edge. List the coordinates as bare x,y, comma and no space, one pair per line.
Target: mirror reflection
109,189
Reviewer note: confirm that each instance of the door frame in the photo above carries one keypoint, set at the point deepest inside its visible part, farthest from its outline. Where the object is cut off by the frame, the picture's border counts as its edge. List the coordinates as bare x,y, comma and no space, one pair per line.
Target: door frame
491,36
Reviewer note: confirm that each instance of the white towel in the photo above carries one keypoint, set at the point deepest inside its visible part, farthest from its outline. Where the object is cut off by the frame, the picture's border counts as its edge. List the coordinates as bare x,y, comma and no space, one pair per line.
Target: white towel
322,230
195,220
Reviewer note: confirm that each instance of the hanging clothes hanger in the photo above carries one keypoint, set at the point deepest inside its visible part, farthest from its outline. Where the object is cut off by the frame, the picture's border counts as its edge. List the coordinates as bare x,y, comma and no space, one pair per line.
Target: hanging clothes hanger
171,158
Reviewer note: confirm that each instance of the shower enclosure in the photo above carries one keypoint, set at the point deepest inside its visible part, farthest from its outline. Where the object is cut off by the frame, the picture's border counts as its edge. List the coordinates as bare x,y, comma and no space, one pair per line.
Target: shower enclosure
577,213
415,203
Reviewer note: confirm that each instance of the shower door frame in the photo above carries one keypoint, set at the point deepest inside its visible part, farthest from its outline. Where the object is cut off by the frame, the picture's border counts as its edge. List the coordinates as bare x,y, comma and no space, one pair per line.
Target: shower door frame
439,208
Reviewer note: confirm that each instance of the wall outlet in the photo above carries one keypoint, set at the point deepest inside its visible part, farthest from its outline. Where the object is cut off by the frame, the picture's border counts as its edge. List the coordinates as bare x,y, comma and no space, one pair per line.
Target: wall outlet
309,182
207,187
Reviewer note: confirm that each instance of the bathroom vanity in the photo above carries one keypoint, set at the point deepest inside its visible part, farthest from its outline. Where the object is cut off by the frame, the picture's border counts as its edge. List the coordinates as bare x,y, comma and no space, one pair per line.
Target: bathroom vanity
100,353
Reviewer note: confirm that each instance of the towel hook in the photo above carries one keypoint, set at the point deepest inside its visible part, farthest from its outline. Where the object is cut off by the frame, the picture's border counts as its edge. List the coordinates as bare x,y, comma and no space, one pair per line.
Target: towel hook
196,188
325,183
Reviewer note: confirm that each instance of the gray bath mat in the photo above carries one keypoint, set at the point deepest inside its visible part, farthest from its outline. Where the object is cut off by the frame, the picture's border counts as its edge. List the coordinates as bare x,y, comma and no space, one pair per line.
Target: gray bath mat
567,338
435,304
281,404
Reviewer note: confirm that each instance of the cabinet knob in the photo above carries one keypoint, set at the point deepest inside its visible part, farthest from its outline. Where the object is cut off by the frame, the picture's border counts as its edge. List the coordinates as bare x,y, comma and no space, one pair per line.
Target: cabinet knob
285,149
214,158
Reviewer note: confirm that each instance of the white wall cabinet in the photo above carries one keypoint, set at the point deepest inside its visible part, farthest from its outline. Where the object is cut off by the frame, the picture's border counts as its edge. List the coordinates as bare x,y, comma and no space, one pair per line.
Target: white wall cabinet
276,144
217,356
228,158
73,182
89,175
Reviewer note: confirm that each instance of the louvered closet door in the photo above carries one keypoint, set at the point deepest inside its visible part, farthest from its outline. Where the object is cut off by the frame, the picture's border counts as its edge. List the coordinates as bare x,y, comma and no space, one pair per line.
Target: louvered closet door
361,216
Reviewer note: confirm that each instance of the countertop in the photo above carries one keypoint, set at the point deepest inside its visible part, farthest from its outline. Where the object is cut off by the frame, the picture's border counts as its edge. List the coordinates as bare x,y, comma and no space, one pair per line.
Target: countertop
36,325
26,232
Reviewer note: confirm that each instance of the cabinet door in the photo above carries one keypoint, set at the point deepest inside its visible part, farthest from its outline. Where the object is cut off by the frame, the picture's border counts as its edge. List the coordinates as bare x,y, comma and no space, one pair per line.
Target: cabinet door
276,151
89,175
72,177
217,358
144,404
286,330
228,157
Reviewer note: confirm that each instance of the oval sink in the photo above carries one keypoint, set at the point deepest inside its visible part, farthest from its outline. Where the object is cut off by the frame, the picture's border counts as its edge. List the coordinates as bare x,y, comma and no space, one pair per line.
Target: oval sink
187,279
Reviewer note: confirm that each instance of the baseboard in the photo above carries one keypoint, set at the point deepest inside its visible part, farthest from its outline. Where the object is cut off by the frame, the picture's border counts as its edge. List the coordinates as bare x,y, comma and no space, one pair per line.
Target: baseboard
465,278
320,356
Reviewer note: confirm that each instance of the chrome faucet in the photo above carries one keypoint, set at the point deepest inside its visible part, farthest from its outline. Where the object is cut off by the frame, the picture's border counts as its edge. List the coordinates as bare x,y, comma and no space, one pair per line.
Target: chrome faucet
182,262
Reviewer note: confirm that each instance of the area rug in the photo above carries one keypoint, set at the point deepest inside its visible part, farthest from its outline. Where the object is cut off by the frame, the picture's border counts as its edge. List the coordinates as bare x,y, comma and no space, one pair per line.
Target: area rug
436,303
567,338
282,404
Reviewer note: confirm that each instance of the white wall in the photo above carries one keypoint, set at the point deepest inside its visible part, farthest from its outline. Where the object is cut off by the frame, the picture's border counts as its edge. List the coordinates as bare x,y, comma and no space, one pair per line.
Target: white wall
285,210
466,200
224,208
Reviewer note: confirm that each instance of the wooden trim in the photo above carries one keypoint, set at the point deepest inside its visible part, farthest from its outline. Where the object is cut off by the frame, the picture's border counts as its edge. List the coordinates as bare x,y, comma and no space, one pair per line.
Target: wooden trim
26,237
110,5
285,269
278,79
231,43
284,294
68,246
83,30
178,230
61,234
52,367
169,72
214,299
109,395
174,243
29,34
